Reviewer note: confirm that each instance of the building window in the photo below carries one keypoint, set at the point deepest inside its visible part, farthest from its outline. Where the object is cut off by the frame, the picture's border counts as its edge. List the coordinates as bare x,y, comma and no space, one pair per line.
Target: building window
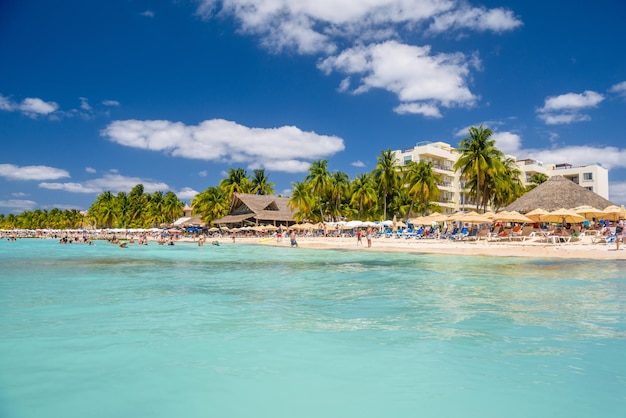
587,176
407,158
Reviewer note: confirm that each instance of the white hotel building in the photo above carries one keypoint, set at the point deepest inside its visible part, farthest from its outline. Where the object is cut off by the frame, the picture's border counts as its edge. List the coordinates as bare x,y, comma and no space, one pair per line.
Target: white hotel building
593,177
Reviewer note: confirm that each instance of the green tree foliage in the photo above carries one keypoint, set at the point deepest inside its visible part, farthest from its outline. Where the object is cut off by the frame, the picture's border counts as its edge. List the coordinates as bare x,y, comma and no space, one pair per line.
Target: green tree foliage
479,161
387,178
260,183
211,204
421,183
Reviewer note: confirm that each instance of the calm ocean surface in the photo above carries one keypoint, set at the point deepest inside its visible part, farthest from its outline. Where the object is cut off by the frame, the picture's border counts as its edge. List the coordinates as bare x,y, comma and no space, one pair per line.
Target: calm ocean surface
262,331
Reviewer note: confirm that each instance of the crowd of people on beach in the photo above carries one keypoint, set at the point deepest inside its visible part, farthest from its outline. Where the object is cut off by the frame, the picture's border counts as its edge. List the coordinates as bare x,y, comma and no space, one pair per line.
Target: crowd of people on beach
603,231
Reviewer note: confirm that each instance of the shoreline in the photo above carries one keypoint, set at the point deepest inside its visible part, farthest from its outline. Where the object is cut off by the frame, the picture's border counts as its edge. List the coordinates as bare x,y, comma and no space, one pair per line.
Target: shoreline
581,250
578,250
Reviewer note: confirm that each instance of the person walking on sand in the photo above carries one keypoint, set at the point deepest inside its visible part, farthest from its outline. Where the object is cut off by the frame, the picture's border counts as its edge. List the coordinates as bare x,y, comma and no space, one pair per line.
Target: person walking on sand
369,237
359,234
619,233
292,237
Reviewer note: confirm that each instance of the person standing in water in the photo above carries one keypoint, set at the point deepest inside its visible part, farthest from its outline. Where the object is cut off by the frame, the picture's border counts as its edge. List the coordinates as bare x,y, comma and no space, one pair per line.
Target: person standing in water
292,237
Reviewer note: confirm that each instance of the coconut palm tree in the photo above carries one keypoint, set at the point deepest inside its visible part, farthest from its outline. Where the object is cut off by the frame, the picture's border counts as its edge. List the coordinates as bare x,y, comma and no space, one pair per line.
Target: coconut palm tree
172,207
122,210
535,180
103,210
302,201
363,193
319,179
387,177
479,159
211,204
505,186
260,184
421,183
338,188
236,182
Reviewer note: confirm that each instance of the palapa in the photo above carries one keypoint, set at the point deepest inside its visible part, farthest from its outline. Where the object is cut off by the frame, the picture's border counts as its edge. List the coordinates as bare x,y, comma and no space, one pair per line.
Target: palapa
557,192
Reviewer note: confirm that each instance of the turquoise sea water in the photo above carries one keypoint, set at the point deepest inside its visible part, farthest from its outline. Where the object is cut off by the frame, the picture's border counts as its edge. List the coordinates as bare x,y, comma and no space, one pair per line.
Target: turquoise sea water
262,331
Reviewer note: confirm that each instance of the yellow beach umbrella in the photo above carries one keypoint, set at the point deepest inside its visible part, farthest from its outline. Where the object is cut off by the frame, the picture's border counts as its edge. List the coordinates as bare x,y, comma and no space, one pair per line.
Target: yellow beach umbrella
512,216
536,214
564,216
615,213
471,217
589,212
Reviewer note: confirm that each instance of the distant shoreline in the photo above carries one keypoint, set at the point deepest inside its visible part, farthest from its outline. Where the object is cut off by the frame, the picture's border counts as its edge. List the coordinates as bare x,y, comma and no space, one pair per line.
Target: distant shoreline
529,249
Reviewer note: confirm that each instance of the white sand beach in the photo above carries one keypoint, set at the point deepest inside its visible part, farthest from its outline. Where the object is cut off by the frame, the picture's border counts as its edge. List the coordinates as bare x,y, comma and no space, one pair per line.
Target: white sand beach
583,249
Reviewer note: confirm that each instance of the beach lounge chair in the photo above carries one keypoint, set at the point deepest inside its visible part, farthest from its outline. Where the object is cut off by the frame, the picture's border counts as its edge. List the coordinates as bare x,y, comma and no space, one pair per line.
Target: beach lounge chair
472,235
523,234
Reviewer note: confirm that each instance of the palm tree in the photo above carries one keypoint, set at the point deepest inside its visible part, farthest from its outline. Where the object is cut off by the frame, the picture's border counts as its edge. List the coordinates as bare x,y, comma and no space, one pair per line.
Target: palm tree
302,201
260,183
211,204
172,207
363,193
338,187
137,202
387,177
479,159
120,203
103,210
422,185
505,185
236,182
535,180
319,180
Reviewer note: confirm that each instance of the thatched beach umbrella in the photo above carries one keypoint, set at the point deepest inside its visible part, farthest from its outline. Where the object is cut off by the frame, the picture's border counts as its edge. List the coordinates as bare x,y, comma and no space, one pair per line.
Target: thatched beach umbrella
557,192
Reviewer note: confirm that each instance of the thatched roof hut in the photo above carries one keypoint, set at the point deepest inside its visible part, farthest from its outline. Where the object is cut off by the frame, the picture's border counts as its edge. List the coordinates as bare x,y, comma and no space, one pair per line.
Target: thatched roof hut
257,209
557,192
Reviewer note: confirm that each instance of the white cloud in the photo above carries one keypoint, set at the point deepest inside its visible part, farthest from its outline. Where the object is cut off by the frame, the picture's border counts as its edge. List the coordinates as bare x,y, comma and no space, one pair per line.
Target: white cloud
147,13
32,172
357,163
421,80
427,110
478,19
84,103
617,192
110,103
567,108
18,205
19,194
577,155
112,182
312,26
203,173
619,88
90,170
35,106
6,104
31,106
507,142
286,148
186,193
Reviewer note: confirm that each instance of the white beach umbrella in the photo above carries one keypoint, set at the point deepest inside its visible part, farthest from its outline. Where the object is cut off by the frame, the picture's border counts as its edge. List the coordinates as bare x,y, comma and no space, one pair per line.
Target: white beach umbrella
353,224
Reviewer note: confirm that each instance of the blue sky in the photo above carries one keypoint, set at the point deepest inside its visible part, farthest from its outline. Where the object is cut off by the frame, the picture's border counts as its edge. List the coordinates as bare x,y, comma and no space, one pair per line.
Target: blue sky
99,96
